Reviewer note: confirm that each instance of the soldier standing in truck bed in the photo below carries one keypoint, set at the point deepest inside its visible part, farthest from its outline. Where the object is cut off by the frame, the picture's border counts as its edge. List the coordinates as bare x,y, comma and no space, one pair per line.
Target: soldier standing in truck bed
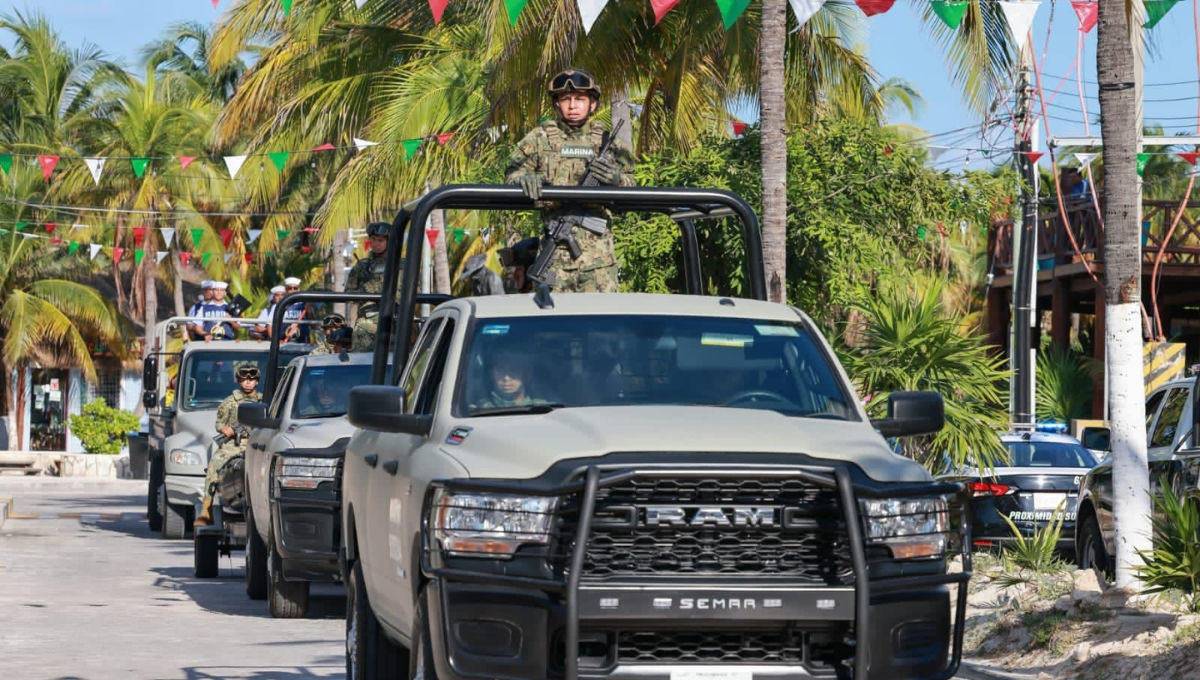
367,277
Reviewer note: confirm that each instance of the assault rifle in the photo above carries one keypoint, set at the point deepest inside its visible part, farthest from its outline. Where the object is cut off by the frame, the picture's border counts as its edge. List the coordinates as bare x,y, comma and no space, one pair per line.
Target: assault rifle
561,230
240,433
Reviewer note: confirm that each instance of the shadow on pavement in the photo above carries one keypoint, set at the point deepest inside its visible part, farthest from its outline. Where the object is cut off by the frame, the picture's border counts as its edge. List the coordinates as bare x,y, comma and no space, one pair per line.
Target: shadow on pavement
137,528
227,594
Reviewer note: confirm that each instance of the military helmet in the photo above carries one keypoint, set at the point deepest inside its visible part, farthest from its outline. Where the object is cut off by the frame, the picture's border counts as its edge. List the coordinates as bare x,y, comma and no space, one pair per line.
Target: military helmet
574,80
247,373
333,321
379,229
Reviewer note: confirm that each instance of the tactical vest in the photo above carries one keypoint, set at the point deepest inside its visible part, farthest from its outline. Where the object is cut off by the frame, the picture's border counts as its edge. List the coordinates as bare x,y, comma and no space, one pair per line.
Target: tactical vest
567,162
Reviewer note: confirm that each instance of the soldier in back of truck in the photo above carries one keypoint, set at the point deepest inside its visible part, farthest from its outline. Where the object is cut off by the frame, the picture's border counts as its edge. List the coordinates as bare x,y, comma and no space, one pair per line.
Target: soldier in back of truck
367,277
559,152
231,435
218,308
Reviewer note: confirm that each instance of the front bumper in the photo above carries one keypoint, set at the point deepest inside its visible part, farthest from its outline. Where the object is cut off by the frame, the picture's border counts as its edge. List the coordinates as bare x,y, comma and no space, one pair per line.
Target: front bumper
187,490
307,523
891,624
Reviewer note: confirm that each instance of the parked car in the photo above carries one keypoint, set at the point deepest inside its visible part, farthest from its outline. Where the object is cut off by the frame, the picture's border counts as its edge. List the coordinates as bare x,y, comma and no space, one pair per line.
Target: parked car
1040,478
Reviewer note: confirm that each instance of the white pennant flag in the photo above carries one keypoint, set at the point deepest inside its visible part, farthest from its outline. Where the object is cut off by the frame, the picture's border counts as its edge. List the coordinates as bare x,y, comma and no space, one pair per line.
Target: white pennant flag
160,256
234,163
804,10
1085,159
28,236
95,166
588,11
935,152
361,144
227,256
1020,19
359,3
254,234
78,226
168,235
95,250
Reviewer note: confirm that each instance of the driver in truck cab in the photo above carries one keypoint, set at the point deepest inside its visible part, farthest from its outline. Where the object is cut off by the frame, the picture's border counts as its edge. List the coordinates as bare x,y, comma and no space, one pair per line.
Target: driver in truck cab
509,374
235,443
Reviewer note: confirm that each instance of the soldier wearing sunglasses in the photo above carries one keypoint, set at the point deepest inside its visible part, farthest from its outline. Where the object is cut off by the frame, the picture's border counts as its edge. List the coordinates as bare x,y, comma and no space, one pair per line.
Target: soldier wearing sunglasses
329,324
559,152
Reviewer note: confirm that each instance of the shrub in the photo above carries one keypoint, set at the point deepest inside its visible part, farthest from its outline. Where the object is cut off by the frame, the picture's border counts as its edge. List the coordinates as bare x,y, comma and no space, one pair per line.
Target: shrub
102,428
1174,563
1037,553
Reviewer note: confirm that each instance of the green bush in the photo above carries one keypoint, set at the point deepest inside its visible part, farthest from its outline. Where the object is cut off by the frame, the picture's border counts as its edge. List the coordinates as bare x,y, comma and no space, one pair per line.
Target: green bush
102,428
1036,554
1174,563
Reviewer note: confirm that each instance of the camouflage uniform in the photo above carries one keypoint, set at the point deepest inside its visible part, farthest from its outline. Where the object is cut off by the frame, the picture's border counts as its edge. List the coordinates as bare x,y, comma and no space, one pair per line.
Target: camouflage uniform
560,154
494,400
227,417
366,277
323,346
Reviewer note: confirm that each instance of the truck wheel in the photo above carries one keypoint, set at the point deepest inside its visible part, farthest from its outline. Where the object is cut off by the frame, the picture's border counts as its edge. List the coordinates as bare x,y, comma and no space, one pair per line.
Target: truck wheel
174,524
286,599
1091,552
207,555
370,655
256,562
421,655
153,516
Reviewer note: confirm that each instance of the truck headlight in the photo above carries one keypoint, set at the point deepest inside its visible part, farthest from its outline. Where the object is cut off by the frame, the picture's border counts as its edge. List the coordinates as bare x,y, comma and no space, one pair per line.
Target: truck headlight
294,472
911,528
485,525
183,457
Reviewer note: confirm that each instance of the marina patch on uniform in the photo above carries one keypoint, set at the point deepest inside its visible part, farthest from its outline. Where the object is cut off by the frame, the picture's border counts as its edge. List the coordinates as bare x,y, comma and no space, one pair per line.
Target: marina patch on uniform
458,434
577,151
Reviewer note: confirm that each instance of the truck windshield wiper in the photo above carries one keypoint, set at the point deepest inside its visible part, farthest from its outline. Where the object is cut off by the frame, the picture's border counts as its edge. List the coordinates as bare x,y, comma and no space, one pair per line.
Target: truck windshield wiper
517,410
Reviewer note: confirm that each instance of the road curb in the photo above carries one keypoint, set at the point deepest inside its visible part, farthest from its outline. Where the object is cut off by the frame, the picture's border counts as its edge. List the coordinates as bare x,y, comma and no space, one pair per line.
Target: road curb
5,510
979,671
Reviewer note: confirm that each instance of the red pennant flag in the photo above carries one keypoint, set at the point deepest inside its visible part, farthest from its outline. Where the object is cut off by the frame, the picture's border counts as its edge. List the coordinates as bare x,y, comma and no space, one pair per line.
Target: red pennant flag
185,161
51,226
249,258
184,257
325,147
1086,11
887,150
1189,156
438,7
117,253
432,235
366,243
1034,156
139,233
873,7
310,230
48,163
444,137
226,236
306,249
56,240
661,7
738,128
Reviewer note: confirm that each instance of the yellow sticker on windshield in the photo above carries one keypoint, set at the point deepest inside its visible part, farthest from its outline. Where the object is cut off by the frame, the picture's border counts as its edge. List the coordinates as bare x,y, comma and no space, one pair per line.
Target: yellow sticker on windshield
726,340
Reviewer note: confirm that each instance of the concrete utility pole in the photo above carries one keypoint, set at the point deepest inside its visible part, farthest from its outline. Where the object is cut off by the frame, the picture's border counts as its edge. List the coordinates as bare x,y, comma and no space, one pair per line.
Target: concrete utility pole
1021,355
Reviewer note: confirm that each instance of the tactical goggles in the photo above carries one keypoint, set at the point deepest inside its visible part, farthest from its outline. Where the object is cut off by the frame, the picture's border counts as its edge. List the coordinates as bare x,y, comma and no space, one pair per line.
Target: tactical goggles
379,229
572,81
247,373
335,321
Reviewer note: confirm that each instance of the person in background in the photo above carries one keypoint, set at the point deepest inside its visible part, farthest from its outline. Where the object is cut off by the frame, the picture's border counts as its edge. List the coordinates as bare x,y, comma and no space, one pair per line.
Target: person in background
367,277
329,325
196,329
262,330
297,311
218,309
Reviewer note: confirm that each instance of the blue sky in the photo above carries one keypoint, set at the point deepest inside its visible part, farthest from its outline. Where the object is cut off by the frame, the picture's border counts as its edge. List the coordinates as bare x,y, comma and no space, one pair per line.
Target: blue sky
896,43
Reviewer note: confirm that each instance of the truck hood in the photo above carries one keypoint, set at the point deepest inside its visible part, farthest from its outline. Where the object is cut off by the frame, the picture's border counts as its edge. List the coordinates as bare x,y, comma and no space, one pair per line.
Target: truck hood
524,446
318,433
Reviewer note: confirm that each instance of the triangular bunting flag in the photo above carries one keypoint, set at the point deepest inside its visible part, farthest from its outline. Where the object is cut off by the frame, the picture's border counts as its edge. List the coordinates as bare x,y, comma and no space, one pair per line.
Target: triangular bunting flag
361,144
661,7
139,166
226,236
139,233
1189,156
184,257
6,163
514,7
738,127
1142,159
204,259
72,247
432,235
215,3
359,3
588,11
160,256
94,248
287,7
325,147
234,163
458,235
310,230
1034,156
306,249
282,234
935,152
1086,11
197,234
732,9
410,148
873,7
804,10
921,233
47,163
138,254
168,236
279,158
1085,159
227,256
951,12
1156,10
50,227
117,253
1020,19
249,258
444,137
438,7
22,225
56,240
185,161
254,234
95,166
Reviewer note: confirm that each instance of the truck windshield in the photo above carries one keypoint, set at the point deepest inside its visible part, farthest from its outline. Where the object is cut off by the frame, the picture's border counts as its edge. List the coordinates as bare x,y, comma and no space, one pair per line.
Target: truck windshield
532,365
209,375
324,391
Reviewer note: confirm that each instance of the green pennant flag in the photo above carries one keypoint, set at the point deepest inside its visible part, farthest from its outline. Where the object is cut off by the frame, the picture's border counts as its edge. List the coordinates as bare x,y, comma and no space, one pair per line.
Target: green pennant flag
204,259
921,233
287,8
139,166
410,148
458,235
986,152
197,234
951,11
282,234
280,159
731,10
6,162
138,255
22,225
514,7
72,247
1156,10
1142,159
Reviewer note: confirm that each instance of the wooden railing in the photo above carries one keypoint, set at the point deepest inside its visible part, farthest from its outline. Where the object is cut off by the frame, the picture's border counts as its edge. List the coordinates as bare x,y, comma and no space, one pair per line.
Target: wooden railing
1056,249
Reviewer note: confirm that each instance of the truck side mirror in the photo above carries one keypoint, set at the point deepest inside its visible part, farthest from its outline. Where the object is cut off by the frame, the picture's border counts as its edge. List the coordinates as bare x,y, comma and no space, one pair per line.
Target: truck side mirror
381,408
150,381
254,414
1096,439
912,414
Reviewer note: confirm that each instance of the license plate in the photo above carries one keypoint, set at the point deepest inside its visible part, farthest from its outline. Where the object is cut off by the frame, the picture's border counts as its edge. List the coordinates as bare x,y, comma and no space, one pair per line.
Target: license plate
1049,501
711,674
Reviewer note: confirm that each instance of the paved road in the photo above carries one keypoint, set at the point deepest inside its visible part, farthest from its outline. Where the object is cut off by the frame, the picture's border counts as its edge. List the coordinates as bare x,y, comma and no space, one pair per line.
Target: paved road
98,596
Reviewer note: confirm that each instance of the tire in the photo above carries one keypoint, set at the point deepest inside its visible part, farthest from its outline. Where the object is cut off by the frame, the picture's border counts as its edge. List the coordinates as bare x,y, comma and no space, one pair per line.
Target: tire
256,562
153,515
206,555
1091,553
286,599
370,655
174,525
421,666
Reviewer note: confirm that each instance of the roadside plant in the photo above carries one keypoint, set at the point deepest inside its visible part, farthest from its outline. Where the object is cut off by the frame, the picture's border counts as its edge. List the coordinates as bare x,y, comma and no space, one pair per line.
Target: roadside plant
1174,562
1064,386
1028,556
102,428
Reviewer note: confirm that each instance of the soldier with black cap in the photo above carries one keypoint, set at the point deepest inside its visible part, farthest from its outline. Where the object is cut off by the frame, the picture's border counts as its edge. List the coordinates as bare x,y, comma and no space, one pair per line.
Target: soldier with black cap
367,277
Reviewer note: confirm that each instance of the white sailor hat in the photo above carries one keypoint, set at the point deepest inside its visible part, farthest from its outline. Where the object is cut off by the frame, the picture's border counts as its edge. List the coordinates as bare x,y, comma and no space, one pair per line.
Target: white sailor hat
206,284
291,281
220,285
278,289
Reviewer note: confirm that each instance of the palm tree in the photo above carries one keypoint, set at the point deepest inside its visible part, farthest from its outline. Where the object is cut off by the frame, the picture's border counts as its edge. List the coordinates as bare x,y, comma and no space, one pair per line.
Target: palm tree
171,53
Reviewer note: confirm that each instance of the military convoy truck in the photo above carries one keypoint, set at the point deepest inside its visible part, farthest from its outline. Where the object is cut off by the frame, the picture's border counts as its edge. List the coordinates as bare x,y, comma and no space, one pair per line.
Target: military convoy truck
636,486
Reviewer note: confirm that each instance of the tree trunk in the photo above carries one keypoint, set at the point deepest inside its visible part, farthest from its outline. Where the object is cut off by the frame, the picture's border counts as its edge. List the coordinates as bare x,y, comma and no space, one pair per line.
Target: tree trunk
441,259
337,268
1122,287
20,399
773,121
621,112
149,300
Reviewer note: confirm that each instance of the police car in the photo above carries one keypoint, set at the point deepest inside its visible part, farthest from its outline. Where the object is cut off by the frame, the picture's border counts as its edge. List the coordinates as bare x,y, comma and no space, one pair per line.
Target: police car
1041,478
